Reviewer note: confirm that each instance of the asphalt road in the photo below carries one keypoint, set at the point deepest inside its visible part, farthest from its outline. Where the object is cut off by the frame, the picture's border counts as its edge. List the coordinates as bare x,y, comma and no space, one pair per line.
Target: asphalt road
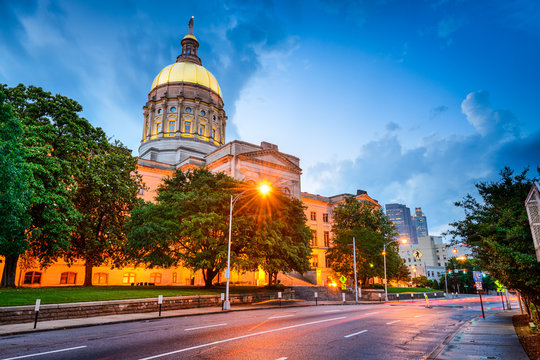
388,331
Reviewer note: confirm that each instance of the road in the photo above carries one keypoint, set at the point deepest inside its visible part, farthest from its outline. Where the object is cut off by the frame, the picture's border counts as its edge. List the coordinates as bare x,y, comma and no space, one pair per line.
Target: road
402,330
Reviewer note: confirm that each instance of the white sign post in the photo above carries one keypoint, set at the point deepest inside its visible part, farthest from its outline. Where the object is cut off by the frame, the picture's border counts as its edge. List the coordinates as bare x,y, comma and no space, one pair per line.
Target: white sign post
316,297
38,303
160,301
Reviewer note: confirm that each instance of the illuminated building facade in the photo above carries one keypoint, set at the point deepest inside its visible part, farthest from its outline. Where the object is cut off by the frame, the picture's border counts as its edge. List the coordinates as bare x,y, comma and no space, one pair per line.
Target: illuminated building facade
420,222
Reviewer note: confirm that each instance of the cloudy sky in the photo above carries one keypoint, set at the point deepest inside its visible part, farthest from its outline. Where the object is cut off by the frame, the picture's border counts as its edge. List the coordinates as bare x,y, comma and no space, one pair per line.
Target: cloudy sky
412,101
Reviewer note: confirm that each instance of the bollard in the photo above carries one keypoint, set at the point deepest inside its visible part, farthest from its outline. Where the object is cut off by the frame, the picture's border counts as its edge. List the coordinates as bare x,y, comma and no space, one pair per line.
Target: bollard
412,296
38,302
343,296
397,295
222,300
380,297
160,301
427,300
316,297
279,297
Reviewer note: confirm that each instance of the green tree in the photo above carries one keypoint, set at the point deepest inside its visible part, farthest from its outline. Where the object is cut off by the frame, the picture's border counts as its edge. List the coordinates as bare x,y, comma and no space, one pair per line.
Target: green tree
106,192
280,237
497,230
15,192
371,229
63,151
188,225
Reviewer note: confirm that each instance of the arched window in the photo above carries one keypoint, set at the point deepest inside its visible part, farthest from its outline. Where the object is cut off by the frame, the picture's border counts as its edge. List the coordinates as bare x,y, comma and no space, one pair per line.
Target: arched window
68,277
32,277
155,278
174,277
129,278
101,279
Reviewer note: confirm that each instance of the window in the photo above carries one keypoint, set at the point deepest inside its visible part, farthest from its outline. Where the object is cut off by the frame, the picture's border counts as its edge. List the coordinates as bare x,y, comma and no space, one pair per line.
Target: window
328,263
315,261
174,277
100,279
313,216
188,109
313,237
202,129
155,278
159,111
213,117
129,278
172,125
141,191
158,127
32,277
187,127
213,133
68,277
173,109
326,238
203,112
325,217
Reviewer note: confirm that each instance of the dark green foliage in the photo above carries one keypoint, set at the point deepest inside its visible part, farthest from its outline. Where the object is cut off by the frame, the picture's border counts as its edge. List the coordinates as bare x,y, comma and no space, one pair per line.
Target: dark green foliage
280,237
498,232
15,192
371,229
188,225
73,173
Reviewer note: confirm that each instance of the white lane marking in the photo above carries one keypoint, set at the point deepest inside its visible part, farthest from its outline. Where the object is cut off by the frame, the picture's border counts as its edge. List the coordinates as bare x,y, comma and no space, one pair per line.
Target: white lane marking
392,322
204,327
357,333
333,310
419,315
282,358
371,313
242,337
46,353
280,316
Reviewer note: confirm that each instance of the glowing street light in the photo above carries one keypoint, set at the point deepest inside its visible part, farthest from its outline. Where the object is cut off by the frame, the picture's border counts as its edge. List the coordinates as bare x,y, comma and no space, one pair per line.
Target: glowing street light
403,241
264,189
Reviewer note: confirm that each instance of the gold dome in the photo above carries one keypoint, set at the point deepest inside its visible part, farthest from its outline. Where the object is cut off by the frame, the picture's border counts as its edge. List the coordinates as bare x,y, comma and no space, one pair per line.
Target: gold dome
187,72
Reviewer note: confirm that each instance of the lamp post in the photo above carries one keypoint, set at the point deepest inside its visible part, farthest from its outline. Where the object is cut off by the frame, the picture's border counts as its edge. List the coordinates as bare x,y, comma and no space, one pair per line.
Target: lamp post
355,280
263,188
384,256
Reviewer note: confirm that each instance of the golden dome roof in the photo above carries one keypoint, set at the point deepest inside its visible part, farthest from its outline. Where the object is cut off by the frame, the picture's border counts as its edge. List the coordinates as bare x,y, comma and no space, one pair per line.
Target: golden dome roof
187,72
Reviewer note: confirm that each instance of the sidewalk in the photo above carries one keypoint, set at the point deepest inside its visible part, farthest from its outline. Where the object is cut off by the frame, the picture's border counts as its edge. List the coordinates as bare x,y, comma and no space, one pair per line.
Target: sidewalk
492,338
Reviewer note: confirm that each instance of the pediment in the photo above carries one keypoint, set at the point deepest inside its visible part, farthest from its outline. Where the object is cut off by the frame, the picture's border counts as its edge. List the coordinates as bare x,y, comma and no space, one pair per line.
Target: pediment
270,157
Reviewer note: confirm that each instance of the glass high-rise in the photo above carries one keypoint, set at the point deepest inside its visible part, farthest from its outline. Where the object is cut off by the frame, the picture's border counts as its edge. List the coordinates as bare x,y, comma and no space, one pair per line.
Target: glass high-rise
420,221
401,217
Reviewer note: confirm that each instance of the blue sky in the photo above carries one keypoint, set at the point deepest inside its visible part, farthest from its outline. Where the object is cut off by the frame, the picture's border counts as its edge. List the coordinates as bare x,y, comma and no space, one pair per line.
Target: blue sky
412,101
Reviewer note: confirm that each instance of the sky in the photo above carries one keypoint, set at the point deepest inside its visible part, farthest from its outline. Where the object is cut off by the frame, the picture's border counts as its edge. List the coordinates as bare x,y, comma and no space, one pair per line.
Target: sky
411,101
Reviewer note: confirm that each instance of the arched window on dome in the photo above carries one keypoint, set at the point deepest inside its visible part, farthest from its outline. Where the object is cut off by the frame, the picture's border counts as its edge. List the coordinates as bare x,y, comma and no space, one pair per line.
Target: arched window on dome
172,127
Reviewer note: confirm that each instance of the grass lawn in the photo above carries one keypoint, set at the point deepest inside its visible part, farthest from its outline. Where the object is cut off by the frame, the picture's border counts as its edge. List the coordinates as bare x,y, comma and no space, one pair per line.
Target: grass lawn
57,295
411,289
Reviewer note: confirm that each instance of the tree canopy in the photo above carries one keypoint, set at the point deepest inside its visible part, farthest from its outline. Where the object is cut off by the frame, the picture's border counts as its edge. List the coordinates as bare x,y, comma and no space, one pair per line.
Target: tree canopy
188,225
61,151
371,229
497,230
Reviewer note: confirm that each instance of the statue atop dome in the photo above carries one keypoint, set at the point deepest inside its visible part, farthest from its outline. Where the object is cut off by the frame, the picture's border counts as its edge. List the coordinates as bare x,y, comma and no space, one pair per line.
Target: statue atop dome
190,45
190,25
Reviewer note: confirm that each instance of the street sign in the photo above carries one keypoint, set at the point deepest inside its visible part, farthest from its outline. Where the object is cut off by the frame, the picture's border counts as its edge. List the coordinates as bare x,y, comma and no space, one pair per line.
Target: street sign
477,276
343,279
478,285
500,287
343,287
417,254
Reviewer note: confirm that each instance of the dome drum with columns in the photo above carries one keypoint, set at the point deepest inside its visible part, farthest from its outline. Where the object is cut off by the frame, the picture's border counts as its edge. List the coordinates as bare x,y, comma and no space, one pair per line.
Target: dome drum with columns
184,116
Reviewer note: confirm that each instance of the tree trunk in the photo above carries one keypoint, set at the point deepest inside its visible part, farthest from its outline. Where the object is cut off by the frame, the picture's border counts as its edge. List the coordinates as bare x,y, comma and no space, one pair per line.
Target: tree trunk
209,276
10,269
88,266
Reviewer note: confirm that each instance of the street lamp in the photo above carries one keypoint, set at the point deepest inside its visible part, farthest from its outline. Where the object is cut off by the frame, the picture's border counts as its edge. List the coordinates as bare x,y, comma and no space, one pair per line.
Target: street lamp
404,241
264,189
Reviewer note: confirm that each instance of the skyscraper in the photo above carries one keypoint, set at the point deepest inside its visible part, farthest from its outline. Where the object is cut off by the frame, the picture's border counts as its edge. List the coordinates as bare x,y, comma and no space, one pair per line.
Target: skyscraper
401,217
419,220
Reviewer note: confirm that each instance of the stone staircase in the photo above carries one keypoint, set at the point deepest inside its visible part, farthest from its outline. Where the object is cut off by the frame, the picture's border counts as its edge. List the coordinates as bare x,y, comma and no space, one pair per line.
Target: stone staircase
324,293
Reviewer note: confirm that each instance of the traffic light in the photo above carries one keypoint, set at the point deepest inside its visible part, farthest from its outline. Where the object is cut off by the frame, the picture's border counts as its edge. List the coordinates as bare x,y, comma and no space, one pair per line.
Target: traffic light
484,275
454,250
464,271
384,252
449,271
